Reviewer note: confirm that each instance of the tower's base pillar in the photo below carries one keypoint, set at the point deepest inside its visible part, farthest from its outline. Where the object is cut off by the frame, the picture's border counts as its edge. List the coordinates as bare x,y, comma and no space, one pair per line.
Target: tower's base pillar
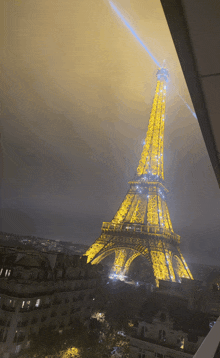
120,258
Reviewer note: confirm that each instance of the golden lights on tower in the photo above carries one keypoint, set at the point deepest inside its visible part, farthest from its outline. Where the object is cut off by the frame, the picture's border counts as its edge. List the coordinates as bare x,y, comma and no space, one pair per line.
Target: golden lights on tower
142,224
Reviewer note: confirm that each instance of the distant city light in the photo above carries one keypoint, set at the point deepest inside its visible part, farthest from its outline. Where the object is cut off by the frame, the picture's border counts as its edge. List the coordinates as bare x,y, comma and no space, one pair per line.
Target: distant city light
121,333
72,352
120,276
211,324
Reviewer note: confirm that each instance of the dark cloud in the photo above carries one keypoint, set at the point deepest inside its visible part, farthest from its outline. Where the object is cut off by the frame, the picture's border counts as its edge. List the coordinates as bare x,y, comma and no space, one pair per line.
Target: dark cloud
16,221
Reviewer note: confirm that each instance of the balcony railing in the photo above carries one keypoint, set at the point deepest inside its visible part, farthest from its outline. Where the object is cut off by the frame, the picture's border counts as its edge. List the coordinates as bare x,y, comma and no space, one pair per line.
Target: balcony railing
140,229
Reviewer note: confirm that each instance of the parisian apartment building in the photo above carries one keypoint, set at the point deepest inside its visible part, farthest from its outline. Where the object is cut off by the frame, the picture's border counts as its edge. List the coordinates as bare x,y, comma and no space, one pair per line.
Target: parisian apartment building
39,290
176,319
162,339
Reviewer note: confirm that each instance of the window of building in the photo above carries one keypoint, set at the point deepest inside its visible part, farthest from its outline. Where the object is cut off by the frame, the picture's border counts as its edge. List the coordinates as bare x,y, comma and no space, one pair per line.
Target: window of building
37,304
3,335
180,342
18,348
26,305
159,355
142,354
19,337
7,273
1,271
162,335
9,305
11,302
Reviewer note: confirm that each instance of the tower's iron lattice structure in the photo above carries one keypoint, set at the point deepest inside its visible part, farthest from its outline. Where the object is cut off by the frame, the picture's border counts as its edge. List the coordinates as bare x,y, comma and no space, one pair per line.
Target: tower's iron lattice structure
142,224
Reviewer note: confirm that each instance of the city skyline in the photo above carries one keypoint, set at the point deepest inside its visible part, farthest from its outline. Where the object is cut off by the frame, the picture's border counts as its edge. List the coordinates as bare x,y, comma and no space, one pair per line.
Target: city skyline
77,90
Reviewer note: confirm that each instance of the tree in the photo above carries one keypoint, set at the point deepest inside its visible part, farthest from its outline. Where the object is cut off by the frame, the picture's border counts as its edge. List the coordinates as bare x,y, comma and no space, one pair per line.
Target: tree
50,343
96,341
108,344
123,305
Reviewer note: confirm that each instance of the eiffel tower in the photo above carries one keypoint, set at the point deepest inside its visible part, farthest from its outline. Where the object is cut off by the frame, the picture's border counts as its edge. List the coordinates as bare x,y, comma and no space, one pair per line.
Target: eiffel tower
142,224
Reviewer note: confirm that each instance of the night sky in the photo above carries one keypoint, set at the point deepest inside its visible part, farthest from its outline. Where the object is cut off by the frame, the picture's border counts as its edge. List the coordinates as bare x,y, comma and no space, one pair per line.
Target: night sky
76,92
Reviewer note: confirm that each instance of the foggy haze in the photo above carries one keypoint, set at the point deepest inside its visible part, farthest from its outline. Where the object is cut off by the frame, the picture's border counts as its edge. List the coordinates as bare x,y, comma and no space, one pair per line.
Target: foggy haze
76,94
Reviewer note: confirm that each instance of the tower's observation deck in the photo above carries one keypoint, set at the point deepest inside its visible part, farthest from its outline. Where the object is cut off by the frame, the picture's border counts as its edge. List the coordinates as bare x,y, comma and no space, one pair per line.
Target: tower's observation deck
142,224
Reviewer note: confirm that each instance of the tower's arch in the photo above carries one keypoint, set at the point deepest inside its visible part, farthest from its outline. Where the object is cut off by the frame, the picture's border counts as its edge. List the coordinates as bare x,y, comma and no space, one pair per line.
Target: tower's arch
124,256
102,256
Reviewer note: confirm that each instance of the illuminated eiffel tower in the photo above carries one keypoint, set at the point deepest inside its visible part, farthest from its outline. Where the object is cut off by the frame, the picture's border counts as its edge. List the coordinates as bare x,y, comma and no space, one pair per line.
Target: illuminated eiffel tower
142,224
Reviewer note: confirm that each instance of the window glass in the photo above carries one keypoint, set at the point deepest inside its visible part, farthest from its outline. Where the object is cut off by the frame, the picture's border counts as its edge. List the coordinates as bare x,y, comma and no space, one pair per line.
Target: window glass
17,349
37,304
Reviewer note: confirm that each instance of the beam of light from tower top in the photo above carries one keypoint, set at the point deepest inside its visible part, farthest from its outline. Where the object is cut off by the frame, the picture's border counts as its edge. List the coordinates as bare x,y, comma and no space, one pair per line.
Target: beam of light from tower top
145,47
134,33
193,113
